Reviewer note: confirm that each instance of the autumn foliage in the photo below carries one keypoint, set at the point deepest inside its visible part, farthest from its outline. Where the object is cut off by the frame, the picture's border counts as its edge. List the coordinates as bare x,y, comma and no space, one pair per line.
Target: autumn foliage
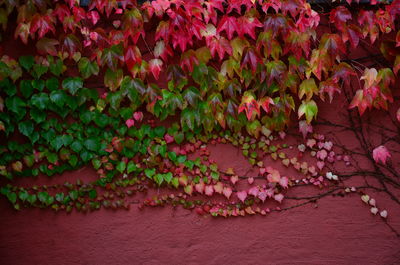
219,67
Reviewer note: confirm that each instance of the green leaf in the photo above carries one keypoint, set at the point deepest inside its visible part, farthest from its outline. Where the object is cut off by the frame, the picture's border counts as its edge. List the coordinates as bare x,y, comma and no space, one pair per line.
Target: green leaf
159,131
26,128
309,108
52,157
67,139
45,198
76,146
121,166
214,175
57,142
23,195
38,84
73,84
58,97
15,104
26,88
57,67
181,159
172,156
86,116
175,182
27,62
92,144
92,194
39,70
87,68
96,163
60,197
37,115
32,198
130,87
12,197
113,79
115,99
179,137
168,177
131,167
150,172
40,100
308,88
52,84
7,86
159,179
73,194
73,160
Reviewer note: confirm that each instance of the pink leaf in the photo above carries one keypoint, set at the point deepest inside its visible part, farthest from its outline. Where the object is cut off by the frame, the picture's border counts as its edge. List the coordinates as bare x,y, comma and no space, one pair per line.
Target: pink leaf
284,181
227,192
218,188
242,195
168,138
254,191
250,180
234,179
262,196
209,190
278,197
199,187
305,128
138,115
129,123
322,154
380,154
320,165
398,114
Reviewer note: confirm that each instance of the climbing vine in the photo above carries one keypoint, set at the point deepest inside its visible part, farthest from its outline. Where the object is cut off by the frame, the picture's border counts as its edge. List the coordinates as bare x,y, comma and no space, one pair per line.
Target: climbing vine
140,92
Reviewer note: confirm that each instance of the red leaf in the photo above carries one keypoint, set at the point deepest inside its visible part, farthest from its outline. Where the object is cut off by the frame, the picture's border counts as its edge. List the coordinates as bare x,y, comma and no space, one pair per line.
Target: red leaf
265,103
252,59
329,87
221,46
352,33
229,25
162,50
332,43
79,13
366,19
276,71
361,101
71,45
162,30
155,66
22,31
249,104
42,24
248,26
342,71
291,6
189,59
381,154
47,46
339,16
182,39
132,57
93,16
61,12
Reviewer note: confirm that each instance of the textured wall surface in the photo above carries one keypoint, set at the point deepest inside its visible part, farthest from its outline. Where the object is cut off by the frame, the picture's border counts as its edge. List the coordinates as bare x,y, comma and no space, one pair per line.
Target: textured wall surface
334,231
